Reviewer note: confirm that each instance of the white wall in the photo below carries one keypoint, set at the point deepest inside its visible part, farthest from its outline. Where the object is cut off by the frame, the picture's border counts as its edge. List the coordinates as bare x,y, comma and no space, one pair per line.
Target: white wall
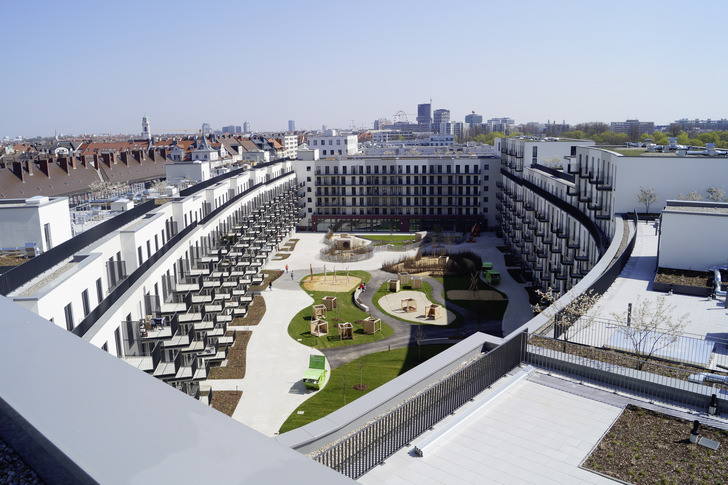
693,240
22,221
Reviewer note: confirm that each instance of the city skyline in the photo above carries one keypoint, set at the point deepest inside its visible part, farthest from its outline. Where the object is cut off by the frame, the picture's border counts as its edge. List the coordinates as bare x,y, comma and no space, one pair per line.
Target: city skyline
88,68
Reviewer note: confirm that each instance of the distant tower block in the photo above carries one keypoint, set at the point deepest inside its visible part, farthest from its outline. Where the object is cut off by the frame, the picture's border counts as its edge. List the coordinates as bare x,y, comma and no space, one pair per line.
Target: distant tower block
291,125
146,131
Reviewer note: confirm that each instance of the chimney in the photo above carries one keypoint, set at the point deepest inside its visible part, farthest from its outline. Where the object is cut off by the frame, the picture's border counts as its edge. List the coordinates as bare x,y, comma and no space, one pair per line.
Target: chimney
43,163
63,161
71,162
95,161
163,152
108,159
125,158
29,166
18,171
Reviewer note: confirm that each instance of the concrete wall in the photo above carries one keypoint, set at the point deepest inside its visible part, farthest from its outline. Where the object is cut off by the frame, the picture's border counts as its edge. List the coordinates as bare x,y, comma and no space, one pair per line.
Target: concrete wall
694,240
22,221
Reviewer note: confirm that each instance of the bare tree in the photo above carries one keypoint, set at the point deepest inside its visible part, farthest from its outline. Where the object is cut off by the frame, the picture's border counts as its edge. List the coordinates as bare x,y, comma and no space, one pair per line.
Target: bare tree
651,327
159,185
573,317
694,196
360,363
419,337
716,194
647,197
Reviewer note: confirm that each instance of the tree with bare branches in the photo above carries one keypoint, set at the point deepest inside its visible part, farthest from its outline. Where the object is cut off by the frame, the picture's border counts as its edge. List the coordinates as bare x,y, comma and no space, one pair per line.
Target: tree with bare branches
647,197
573,317
650,327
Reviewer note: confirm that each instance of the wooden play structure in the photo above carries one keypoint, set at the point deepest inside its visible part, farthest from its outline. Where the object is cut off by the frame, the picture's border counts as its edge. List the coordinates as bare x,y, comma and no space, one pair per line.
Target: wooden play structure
416,282
346,330
319,312
404,279
315,375
394,285
329,302
319,328
433,311
408,305
372,325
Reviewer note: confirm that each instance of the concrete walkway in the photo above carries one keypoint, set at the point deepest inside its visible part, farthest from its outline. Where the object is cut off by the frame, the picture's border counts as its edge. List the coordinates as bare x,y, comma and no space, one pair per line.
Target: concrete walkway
272,387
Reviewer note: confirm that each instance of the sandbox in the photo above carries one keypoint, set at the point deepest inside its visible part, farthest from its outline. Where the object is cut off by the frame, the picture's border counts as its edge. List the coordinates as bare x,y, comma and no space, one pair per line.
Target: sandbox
341,284
392,304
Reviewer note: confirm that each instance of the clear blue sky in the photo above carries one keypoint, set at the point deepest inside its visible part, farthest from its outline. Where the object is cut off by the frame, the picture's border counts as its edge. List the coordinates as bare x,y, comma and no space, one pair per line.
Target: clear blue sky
98,66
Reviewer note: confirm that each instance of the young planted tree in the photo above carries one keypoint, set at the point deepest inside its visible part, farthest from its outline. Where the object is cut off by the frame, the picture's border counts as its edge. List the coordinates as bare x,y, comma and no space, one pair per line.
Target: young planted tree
360,363
572,318
650,327
647,197
419,337
694,196
716,194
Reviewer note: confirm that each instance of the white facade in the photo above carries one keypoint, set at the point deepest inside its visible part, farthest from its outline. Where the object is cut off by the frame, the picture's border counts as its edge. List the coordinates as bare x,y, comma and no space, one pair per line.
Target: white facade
331,144
78,286
179,171
44,222
693,235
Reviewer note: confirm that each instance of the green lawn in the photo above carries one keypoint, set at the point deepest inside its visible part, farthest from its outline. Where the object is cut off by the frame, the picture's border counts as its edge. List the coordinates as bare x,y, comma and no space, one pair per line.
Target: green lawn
378,369
395,240
299,328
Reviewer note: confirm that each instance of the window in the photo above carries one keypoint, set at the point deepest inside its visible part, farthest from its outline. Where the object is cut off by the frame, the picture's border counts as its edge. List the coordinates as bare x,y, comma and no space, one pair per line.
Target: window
86,304
486,178
99,291
315,142
139,255
331,142
117,339
338,142
149,250
156,243
68,312
308,179
308,169
47,235
309,200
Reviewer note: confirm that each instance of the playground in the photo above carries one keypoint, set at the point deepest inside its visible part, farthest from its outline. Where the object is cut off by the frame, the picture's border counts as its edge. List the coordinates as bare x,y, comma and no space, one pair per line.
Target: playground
335,283
413,306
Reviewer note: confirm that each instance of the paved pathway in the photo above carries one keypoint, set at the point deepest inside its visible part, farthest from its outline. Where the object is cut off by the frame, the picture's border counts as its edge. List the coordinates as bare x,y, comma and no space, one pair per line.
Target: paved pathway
275,362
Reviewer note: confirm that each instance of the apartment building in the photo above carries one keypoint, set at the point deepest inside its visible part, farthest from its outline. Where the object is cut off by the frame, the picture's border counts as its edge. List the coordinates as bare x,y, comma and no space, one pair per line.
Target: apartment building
333,144
410,193
558,218
158,285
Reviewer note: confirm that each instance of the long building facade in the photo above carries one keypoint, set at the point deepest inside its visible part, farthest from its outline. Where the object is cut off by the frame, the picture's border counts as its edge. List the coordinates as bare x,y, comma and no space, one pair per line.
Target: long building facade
158,285
402,194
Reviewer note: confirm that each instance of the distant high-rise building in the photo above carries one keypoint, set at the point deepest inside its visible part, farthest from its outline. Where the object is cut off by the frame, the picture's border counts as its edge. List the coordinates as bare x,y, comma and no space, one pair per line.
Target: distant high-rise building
146,130
246,127
206,128
238,129
324,128
502,125
458,129
291,125
440,117
229,129
380,123
423,114
473,119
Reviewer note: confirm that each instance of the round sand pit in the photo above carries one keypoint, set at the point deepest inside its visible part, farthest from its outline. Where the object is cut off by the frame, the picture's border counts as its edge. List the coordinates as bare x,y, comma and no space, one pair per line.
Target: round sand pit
341,284
474,295
392,304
